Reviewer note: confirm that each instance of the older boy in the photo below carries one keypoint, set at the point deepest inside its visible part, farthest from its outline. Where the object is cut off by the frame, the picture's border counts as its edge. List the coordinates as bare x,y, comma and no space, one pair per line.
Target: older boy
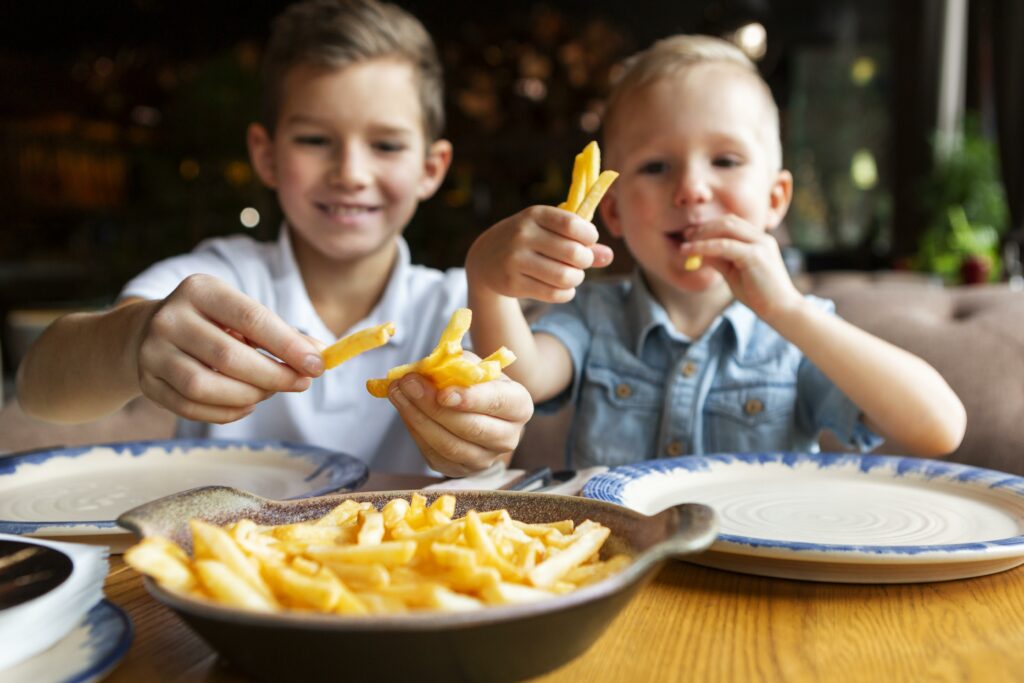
727,357
350,141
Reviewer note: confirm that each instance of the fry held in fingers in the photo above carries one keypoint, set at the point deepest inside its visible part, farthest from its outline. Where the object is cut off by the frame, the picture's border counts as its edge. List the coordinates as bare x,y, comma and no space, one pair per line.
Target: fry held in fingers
408,556
589,183
445,366
356,343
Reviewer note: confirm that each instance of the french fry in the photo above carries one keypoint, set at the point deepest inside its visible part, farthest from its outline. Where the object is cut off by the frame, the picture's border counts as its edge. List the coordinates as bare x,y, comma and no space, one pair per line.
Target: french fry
360,561
693,262
445,365
594,195
356,343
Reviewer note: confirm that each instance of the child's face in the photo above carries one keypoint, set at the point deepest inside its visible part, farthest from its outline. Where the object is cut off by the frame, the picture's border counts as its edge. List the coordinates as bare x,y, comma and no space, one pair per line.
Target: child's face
349,159
690,148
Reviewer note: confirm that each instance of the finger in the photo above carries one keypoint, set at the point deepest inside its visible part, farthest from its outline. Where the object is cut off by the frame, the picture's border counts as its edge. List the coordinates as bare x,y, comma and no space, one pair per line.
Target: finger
257,323
232,358
164,394
502,399
725,226
495,431
198,383
603,255
550,272
565,223
445,452
562,249
730,250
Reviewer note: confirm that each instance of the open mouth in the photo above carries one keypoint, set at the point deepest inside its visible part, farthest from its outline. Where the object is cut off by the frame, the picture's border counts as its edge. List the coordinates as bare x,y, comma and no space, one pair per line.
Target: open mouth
676,238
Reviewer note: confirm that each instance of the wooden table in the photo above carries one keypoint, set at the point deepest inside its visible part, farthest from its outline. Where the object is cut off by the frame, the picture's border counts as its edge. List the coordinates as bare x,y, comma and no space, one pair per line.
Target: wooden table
697,624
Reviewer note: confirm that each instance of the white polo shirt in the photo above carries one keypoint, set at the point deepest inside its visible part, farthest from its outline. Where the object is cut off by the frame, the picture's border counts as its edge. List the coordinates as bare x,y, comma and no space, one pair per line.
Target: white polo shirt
336,412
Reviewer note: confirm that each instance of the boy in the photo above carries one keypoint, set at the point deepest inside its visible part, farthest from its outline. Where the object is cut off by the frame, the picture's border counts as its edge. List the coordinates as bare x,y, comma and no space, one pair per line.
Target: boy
350,140
728,357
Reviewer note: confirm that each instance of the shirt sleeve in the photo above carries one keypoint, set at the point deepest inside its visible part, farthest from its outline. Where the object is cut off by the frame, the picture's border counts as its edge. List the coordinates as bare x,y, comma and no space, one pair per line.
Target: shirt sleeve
565,322
161,278
823,406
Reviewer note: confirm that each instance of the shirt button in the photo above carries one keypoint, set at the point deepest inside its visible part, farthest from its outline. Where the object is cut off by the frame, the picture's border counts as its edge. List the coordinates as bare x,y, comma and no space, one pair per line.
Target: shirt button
689,369
753,406
674,448
623,391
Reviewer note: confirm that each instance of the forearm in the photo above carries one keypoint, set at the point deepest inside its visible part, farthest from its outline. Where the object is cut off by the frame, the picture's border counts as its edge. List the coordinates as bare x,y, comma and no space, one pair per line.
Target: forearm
499,321
84,366
903,397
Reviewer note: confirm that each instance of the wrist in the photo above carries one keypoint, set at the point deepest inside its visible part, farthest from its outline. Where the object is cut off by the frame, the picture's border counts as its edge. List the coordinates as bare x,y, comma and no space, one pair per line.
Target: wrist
788,312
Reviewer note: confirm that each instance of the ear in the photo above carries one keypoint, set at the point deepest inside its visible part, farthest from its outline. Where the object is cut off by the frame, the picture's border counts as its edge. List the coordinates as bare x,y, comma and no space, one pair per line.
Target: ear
779,198
261,154
435,168
609,208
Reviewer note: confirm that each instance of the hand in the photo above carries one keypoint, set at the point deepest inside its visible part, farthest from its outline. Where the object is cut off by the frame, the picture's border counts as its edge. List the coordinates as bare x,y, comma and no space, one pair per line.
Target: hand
749,260
461,430
198,353
539,253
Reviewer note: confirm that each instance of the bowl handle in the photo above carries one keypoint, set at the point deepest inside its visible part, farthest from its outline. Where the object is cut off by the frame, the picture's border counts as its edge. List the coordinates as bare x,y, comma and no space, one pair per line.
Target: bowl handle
691,529
165,516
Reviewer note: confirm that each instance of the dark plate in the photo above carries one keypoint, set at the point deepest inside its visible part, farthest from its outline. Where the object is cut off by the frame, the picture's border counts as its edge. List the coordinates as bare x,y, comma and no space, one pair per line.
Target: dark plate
494,644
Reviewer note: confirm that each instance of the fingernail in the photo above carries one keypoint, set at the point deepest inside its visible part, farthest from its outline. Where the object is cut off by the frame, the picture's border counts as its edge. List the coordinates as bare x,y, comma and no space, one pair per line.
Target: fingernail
452,399
396,397
412,388
301,384
313,364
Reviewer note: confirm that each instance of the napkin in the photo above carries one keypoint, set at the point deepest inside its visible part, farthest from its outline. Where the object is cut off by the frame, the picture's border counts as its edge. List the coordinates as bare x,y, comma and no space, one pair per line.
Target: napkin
35,625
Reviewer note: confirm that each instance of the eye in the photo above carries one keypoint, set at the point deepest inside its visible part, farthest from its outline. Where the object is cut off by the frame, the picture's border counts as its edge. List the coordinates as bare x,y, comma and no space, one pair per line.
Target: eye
389,146
727,161
653,168
312,140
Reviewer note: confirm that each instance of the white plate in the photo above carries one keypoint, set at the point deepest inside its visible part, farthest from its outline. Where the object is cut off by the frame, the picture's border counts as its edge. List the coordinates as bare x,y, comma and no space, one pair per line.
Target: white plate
76,494
88,653
837,517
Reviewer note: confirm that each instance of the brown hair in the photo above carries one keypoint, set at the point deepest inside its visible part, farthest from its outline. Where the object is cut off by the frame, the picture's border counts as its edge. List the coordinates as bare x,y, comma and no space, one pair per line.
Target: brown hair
337,33
670,55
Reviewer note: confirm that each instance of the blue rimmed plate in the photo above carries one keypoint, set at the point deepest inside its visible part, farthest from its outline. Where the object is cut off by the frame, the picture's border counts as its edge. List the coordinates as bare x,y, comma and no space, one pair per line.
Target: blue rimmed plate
837,517
76,494
86,654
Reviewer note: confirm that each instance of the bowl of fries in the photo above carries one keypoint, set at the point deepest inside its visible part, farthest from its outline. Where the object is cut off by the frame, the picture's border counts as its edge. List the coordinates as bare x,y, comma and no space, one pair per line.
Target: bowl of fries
484,585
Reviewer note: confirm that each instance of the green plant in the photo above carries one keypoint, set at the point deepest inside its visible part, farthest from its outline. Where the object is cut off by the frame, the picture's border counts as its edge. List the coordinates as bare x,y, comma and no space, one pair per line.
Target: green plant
967,210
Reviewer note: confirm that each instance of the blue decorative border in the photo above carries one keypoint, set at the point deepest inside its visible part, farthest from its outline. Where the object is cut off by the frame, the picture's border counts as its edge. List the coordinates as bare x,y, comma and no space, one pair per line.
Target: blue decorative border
342,470
611,486
110,635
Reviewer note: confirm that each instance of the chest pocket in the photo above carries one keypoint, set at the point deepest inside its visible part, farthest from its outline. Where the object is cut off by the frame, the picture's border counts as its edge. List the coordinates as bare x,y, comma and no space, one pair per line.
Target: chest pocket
617,418
751,419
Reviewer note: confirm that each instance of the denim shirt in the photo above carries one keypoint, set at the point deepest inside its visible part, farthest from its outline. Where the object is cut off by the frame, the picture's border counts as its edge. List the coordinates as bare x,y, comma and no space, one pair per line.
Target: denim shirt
642,390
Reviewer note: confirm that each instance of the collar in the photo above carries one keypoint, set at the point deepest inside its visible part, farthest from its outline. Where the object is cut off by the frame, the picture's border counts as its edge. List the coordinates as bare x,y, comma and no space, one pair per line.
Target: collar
645,314
295,306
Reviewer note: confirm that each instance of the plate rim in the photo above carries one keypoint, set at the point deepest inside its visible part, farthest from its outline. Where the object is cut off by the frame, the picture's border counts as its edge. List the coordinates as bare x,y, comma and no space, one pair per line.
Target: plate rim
10,462
610,487
102,654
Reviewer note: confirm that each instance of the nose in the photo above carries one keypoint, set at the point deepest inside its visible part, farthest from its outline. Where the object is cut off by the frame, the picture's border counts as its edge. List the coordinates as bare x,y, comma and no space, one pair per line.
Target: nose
350,169
693,186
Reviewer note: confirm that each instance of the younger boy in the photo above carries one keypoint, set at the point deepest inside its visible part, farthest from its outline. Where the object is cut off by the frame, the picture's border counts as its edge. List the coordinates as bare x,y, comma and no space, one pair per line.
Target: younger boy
729,357
350,140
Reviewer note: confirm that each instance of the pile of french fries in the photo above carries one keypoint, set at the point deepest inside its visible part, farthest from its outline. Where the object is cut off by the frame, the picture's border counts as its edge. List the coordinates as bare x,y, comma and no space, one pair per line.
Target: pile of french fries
356,560
445,366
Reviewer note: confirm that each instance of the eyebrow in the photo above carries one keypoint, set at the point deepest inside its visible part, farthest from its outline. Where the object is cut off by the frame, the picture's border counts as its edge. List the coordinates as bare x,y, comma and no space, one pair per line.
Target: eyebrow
376,128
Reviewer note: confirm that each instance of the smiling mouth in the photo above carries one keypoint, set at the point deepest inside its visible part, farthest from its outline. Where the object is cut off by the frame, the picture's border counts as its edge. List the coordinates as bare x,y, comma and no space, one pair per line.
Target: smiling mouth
339,211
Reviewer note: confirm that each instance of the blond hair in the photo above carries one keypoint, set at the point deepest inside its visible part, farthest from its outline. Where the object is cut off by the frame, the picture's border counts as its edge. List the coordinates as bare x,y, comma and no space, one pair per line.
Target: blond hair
668,56
338,33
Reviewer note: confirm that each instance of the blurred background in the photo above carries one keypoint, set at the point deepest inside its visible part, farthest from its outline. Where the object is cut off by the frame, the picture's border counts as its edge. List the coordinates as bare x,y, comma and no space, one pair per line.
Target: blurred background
122,130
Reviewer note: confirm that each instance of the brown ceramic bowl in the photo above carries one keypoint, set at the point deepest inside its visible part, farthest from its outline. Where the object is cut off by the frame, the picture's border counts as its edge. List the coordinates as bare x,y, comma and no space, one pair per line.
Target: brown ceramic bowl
500,643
